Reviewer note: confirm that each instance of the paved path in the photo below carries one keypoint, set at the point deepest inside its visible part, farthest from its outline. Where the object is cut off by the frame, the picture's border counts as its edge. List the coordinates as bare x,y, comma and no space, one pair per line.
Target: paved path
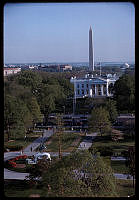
8,174
118,158
36,143
123,176
87,142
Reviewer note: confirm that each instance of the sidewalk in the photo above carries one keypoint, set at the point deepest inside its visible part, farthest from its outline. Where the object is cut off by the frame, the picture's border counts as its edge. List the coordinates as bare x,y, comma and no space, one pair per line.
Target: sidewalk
37,142
87,142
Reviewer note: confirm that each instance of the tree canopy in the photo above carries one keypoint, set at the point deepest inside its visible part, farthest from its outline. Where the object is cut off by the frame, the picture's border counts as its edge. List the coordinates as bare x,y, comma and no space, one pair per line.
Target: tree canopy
30,95
99,120
110,106
124,93
80,174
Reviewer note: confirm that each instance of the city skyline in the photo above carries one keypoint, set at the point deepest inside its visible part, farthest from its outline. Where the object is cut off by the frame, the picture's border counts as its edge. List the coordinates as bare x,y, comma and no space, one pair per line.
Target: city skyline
58,32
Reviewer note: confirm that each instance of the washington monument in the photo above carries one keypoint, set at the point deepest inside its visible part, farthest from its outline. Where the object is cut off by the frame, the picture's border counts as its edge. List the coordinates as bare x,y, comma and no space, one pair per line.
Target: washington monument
91,51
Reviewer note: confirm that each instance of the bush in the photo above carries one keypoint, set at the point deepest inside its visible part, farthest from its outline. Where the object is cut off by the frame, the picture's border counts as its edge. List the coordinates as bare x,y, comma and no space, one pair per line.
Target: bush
124,153
105,151
12,164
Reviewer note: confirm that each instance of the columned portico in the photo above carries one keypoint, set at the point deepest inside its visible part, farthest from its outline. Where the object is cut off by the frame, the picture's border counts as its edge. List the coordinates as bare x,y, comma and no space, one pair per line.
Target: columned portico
95,90
107,89
102,90
92,86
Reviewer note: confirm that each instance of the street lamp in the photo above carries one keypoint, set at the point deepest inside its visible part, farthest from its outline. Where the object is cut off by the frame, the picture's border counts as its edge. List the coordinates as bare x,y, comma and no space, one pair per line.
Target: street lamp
64,109
74,97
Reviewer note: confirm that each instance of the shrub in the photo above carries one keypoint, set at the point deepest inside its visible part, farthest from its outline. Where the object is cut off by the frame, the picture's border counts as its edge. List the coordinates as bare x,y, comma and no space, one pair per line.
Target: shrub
13,164
105,151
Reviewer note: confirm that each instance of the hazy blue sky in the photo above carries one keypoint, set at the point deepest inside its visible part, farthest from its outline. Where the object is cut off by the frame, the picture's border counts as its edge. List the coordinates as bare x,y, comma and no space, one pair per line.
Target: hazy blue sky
59,32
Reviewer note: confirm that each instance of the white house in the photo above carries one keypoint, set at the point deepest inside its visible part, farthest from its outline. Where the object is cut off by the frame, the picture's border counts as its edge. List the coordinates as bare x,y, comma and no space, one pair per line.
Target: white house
91,86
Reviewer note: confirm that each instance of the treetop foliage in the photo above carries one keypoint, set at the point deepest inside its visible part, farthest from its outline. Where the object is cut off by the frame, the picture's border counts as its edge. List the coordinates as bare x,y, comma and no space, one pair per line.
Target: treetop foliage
80,174
99,120
124,93
35,93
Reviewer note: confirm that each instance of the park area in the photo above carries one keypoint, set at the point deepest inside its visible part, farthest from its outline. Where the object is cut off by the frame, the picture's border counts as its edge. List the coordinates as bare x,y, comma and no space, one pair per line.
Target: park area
109,149
69,141
20,142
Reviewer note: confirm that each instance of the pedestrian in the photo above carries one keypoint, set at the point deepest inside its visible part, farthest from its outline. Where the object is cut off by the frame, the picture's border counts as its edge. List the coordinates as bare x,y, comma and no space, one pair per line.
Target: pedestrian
31,149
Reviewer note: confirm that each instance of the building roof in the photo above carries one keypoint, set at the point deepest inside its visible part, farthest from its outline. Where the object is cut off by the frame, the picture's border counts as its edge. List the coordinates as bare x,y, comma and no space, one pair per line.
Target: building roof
11,68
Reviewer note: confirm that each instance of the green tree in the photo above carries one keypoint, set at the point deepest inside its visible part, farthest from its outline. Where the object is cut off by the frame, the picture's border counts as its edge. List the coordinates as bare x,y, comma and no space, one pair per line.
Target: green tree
30,79
111,108
9,112
99,177
99,120
46,100
34,109
80,175
49,97
15,113
130,162
59,133
124,93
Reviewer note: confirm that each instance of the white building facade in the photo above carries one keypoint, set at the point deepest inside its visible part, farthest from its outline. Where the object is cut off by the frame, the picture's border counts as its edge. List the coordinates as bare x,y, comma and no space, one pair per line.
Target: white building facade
92,86
9,71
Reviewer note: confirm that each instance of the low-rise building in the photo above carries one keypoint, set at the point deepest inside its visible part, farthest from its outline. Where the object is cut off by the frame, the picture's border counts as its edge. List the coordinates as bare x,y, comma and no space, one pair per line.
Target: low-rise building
126,119
11,70
66,67
71,121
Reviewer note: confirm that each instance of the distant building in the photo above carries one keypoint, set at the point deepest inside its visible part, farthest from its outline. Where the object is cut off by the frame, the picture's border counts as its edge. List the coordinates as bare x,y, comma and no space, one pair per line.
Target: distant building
125,119
11,70
65,67
125,66
91,86
74,122
55,68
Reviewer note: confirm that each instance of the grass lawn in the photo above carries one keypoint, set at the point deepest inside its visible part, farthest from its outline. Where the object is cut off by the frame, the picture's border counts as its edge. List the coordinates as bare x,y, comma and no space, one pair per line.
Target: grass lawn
105,141
18,188
69,141
125,188
20,141
119,167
